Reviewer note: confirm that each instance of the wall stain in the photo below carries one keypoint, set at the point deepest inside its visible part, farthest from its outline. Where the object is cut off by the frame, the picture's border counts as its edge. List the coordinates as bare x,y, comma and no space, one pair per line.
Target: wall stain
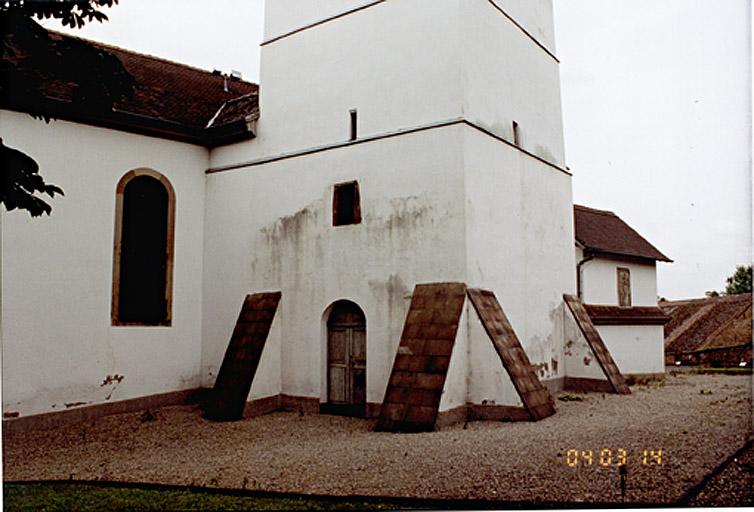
544,154
11,414
112,379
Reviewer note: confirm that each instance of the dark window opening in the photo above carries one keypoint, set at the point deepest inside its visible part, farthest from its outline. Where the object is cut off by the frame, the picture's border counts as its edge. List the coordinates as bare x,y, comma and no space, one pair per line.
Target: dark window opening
354,125
516,134
346,204
142,296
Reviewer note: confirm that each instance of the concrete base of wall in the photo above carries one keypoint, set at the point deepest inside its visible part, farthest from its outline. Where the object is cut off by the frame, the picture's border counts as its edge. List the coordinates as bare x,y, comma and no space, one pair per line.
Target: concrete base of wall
254,408
92,412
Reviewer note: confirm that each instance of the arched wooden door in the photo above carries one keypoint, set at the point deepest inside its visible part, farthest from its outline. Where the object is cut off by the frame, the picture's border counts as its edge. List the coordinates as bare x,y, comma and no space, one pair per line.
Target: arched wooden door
346,360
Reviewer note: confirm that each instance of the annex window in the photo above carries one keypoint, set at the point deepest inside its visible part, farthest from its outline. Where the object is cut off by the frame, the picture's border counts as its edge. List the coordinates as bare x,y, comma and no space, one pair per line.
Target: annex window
624,287
346,207
354,124
143,250
516,134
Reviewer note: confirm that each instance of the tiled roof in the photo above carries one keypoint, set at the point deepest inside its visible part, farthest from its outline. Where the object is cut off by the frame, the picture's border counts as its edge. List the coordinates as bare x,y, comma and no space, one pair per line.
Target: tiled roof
236,109
713,322
603,232
617,315
170,99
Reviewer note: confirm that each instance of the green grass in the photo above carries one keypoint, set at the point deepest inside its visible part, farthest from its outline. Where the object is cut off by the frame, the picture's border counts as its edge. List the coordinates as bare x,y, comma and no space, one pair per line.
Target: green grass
83,497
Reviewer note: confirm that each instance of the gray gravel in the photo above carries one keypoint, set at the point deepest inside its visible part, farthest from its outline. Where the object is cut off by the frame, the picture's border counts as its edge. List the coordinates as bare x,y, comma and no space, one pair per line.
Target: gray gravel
696,420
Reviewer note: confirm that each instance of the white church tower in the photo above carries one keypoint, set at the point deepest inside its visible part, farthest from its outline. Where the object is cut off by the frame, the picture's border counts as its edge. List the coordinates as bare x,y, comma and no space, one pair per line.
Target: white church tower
399,142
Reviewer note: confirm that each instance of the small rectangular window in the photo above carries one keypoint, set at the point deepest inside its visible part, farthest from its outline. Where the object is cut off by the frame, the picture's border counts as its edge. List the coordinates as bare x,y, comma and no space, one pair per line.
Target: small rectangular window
516,134
624,287
346,207
354,124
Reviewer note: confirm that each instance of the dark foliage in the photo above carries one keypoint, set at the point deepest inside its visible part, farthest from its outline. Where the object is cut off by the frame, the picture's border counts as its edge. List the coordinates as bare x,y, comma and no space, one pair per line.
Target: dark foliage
20,181
32,62
739,282
72,13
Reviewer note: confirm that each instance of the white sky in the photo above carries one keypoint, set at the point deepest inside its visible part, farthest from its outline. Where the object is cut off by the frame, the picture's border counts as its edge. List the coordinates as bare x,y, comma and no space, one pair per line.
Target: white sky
656,102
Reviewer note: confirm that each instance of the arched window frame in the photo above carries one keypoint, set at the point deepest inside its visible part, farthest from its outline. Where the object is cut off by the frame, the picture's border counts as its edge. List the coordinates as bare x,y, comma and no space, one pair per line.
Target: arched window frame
119,197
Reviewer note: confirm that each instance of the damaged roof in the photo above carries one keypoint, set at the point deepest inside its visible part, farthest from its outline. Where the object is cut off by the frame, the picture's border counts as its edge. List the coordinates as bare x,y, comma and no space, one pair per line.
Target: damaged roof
603,232
170,100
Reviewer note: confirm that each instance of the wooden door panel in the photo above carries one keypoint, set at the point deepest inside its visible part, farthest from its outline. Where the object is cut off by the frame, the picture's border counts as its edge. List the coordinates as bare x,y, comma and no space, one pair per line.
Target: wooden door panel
337,347
359,386
358,347
337,384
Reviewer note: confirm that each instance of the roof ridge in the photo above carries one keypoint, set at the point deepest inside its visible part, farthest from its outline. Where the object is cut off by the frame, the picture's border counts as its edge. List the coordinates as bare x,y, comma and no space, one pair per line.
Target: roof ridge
742,297
139,54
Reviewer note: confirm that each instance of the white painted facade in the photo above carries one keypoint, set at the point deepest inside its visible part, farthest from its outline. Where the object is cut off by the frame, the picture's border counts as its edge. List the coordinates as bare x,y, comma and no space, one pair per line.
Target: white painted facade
445,197
599,281
450,202
59,346
636,349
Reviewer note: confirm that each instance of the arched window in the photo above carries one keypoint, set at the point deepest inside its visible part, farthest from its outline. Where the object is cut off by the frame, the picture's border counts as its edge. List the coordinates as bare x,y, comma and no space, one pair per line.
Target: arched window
143,251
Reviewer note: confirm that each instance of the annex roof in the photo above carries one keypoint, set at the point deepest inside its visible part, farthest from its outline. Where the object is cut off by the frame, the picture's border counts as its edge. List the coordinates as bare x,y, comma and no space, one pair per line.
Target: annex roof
170,100
713,322
603,232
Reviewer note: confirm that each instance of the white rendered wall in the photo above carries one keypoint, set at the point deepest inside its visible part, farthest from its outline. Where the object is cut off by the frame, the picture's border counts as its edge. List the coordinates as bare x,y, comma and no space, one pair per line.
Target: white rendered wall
397,63
535,16
58,344
507,78
402,64
636,349
283,16
456,389
520,242
599,282
488,380
580,361
270,228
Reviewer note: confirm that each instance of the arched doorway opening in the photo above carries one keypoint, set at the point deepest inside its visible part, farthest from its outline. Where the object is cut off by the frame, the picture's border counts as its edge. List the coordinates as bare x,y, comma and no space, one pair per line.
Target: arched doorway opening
346,360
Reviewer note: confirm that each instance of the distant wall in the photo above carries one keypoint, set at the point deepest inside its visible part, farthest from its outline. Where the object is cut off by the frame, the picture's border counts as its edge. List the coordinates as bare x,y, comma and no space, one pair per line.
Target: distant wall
599,282
636,349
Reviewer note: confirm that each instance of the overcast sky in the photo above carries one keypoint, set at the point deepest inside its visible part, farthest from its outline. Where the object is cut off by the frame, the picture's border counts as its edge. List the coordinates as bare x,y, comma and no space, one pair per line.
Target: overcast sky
656,103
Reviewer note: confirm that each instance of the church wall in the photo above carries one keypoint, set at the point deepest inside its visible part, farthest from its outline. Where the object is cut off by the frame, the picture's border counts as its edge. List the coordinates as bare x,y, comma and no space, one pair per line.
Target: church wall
455,392
636,349
270,228
599,282
580,361
488,380
396,64
535,16
507,78
283,16
59,348
520,243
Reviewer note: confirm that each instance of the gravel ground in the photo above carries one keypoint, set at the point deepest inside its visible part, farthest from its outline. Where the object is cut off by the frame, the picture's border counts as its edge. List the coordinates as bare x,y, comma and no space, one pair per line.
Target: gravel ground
696,420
